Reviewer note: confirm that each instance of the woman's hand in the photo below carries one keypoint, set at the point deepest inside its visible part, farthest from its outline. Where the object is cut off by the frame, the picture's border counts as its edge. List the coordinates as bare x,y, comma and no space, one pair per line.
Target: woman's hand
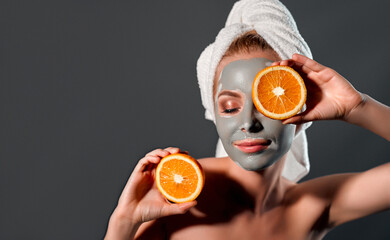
140,200
330,96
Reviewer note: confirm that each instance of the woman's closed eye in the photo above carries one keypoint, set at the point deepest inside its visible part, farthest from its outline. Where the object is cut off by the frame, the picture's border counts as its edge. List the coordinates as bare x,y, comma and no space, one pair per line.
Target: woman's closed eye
231,110
230,102
229,107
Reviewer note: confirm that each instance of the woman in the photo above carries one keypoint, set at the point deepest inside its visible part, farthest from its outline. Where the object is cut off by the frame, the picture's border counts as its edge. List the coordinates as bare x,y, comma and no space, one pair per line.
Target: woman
246,194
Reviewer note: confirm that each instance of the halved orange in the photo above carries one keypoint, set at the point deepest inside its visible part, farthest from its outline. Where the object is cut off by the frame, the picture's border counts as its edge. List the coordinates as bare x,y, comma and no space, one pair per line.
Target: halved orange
179,177
278,92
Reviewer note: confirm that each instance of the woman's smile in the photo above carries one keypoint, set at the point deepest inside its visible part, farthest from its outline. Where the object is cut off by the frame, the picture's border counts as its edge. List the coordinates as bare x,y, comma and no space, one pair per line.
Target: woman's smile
251,145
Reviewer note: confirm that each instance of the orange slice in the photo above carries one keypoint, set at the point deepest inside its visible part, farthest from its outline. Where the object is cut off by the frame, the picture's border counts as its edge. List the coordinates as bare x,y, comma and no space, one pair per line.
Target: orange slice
179,177
278,92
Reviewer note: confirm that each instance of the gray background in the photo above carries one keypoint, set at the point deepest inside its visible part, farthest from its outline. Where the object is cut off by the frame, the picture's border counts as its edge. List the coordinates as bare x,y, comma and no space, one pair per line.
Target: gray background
88,87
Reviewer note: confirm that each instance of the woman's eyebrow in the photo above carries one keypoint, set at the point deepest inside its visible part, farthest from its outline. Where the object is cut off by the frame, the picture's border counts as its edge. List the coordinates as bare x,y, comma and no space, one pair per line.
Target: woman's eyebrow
230,93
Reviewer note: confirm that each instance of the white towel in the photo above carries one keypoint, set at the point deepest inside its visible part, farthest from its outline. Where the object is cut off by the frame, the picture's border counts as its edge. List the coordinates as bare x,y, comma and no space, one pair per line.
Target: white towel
272,20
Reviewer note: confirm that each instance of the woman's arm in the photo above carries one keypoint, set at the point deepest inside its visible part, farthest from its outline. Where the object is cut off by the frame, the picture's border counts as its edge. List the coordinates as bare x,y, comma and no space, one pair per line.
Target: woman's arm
360,195
330,96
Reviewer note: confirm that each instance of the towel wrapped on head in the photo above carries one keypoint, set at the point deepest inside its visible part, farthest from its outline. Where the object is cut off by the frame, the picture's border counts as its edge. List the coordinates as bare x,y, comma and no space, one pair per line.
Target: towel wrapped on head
271,20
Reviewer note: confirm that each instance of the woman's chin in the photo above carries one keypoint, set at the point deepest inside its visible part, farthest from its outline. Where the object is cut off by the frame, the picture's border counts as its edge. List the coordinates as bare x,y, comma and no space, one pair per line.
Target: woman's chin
254,167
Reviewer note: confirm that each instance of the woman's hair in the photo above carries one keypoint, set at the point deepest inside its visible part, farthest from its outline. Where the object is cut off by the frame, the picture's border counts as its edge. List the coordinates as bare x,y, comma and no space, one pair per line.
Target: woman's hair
250,41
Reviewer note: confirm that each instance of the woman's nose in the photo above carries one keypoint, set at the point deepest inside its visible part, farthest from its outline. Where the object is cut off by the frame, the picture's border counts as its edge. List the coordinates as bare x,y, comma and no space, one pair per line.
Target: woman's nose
250,122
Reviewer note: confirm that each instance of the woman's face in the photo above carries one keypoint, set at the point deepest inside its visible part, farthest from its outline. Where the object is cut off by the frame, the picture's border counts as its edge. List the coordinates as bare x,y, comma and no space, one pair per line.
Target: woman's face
251,140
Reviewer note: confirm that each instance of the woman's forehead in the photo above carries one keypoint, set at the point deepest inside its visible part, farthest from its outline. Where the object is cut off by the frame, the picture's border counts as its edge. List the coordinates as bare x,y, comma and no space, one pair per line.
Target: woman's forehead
239,74
268,54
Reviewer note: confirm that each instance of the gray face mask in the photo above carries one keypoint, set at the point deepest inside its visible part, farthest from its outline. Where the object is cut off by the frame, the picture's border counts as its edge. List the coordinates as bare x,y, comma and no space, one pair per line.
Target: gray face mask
251,140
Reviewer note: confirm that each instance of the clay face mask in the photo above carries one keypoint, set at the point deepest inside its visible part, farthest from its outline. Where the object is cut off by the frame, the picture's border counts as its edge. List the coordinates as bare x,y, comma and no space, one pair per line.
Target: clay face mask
251,140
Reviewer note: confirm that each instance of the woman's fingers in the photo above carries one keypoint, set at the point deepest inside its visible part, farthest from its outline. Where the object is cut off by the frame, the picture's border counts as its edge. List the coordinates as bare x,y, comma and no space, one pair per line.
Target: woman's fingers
310,114
301,63
172,150
308,63
288,62
163,152
158,152
299,67
154,157
149,162
297,119
141,178
145,162
177,208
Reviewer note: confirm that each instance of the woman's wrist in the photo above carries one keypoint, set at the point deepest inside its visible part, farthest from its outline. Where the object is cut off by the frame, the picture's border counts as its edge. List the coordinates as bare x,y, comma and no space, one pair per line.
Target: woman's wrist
371,115
354,115
121,227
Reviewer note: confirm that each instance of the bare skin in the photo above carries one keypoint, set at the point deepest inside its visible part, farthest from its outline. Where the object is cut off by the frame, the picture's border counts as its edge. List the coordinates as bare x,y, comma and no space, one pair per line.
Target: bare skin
240,204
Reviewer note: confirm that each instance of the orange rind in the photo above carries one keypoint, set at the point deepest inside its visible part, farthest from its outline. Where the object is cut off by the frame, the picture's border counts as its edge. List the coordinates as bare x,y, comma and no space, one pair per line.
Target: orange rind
278,92
179,178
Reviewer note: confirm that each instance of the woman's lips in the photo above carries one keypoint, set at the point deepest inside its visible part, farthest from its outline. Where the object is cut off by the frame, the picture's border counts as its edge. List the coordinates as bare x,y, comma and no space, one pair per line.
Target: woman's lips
252,145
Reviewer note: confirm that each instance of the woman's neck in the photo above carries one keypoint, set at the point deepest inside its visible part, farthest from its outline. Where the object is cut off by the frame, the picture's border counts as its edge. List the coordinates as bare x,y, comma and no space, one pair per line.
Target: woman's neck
267,187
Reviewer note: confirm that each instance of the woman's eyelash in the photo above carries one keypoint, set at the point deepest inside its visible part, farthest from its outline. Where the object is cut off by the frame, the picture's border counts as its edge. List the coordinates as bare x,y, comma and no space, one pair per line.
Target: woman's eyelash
230,110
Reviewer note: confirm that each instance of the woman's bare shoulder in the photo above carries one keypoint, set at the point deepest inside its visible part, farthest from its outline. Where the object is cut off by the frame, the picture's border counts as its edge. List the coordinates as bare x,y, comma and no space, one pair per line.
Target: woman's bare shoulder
319,189
215,164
